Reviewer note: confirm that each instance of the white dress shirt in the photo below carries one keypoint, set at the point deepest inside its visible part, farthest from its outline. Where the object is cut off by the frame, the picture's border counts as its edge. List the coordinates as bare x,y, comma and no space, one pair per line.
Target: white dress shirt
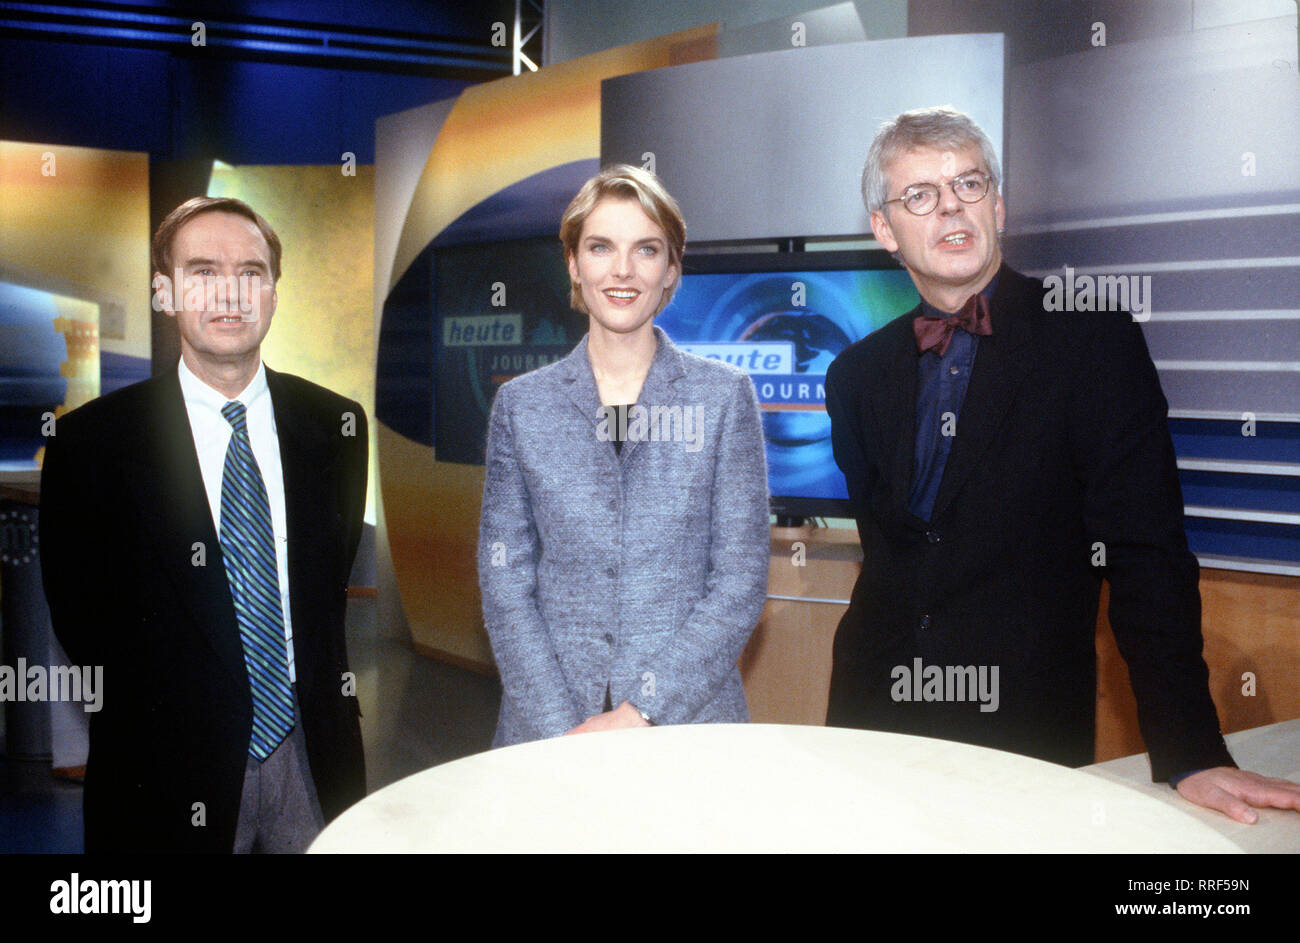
212,438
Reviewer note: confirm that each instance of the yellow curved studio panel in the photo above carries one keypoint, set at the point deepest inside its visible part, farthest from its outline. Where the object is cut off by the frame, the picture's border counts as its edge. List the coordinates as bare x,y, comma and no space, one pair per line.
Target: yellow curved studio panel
496,135
322,330
74,221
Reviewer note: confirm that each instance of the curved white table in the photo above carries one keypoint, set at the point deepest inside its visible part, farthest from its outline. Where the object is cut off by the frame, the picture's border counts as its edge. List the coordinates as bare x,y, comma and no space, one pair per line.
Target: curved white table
760,788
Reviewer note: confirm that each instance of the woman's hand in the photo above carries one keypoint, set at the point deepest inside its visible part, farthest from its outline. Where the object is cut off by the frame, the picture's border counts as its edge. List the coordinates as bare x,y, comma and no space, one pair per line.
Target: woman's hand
623,717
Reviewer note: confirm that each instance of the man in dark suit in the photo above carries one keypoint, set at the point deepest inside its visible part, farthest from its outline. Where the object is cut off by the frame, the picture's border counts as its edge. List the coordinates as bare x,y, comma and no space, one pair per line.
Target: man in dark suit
1001,459
197,533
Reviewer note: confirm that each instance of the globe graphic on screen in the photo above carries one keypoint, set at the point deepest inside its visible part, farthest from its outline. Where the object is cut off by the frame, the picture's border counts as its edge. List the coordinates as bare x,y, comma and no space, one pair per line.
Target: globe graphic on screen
816,340
768,303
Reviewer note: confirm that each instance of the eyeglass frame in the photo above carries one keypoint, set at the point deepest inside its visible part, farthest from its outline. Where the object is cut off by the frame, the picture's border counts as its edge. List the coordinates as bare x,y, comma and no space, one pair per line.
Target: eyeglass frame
938,191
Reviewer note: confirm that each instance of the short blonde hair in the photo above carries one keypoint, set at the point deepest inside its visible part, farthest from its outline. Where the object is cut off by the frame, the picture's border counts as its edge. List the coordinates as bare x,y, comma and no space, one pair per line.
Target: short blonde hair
625,182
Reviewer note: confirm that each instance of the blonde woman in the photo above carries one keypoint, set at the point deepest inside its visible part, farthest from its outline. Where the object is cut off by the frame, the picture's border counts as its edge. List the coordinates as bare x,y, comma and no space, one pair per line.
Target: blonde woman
624,540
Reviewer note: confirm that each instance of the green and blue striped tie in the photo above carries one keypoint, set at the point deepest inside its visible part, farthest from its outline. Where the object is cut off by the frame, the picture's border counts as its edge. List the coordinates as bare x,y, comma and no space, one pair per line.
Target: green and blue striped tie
248,546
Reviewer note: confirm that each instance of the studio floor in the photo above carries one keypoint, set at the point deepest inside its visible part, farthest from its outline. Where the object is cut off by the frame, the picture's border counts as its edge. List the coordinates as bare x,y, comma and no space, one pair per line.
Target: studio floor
416,713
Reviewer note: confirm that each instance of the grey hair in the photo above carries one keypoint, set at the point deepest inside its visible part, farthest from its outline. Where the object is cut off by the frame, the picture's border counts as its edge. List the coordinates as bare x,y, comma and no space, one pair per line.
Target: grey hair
941,127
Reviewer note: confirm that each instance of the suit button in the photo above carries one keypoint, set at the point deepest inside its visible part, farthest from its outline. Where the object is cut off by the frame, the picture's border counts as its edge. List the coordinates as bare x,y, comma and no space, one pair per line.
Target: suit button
609,638
611,572
932,536
613,505
925,622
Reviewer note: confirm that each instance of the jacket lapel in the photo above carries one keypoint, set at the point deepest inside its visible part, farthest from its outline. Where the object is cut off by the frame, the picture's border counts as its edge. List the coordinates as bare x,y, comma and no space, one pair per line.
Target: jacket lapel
660,386
893,402
174,507
580,382
308,453
996,377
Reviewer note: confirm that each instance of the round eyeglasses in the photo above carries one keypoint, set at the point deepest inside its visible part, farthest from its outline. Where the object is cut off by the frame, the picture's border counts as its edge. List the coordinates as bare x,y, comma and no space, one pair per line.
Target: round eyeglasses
920,199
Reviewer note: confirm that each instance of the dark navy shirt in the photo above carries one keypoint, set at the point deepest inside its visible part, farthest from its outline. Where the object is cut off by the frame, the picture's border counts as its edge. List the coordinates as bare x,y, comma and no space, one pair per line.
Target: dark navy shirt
941,384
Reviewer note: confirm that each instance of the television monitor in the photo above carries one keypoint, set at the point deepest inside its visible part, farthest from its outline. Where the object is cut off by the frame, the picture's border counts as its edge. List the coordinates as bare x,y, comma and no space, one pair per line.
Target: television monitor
501,309
783,317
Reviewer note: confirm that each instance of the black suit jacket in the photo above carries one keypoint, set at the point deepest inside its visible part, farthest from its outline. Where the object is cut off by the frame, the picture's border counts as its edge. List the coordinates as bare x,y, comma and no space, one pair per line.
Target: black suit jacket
136,583
1062,445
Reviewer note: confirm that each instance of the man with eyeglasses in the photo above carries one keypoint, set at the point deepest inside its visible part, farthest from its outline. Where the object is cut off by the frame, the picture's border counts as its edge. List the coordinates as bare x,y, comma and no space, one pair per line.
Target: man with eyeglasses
1001,459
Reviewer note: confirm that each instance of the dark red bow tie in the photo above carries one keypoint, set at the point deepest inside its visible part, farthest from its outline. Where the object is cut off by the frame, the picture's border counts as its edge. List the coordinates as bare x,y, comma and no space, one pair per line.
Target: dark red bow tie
936,333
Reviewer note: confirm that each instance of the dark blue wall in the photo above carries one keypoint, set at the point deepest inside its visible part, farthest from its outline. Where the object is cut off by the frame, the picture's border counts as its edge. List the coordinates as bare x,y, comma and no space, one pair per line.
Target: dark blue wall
179,102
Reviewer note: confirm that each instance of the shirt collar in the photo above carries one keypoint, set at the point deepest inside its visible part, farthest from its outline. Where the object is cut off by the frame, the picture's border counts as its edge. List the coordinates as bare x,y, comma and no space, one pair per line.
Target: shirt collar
929,311
196,391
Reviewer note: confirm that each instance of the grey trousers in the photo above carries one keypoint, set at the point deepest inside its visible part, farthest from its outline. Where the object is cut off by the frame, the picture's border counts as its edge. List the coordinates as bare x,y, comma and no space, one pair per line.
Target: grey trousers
278,809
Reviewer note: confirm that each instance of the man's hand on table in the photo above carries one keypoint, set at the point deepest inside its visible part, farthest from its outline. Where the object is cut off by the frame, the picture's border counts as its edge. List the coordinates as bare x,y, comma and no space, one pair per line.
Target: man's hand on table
1233,791
623,717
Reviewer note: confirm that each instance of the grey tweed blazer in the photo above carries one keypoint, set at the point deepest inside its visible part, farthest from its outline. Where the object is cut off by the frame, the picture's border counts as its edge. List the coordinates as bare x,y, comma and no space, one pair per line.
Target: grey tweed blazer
643,572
